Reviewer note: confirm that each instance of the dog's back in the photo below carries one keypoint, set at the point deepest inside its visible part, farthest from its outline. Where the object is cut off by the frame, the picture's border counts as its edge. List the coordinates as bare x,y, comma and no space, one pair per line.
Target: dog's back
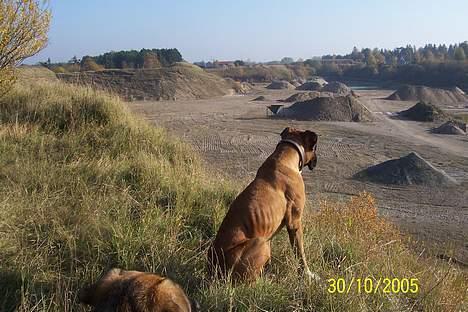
132,291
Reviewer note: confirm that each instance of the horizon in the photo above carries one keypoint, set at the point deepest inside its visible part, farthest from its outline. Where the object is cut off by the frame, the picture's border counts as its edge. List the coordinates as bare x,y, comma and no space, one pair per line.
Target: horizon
269,31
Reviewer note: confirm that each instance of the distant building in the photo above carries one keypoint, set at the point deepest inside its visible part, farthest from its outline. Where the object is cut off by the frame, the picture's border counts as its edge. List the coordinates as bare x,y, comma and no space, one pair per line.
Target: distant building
223,64
216,64
201,64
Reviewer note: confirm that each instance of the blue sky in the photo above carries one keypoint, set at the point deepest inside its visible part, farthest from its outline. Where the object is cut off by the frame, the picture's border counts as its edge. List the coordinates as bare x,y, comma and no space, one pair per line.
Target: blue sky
259,30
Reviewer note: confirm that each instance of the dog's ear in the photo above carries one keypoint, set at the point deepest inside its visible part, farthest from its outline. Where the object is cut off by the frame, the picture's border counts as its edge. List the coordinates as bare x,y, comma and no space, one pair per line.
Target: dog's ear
287,131
311,139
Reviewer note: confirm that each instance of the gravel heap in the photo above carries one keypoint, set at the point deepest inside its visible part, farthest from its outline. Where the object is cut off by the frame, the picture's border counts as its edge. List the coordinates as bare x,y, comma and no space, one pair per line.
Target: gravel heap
339,108
429,95
281,84
407,170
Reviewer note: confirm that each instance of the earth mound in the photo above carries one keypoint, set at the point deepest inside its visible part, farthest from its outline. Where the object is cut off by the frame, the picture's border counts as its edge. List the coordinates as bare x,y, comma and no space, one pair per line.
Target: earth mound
427,94
310,86
340,108
281,84
239,87
302,96
423,111
295,83
30,73
458,90
178,81
451,127
407,170
318,79
260,98
337,87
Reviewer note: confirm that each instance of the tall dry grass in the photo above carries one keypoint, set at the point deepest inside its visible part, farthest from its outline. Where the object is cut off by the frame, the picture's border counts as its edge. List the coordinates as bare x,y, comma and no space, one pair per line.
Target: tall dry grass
85,186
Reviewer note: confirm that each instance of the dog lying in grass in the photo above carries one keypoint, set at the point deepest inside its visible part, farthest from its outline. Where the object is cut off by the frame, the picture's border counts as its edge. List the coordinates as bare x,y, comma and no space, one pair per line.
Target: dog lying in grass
133,291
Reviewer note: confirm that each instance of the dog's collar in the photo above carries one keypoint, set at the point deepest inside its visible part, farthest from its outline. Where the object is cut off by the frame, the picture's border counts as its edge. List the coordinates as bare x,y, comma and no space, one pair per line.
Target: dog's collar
299,149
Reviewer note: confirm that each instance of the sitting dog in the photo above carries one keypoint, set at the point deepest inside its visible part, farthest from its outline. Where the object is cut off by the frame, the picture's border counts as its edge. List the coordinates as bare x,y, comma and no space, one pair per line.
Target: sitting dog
133,291
274,199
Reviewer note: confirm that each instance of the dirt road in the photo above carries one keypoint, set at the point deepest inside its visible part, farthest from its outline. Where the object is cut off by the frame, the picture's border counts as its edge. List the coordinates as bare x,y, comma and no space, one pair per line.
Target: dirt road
235,136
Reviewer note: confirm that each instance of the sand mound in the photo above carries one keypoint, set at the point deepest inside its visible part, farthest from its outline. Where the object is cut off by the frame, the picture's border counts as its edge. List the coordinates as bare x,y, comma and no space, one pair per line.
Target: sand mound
302,96
460,124
280,85
310,86
179,81
239,87
458,90
424,112
450,127
340,108
427,94
318,79
407,170
295,83
260,98
337,87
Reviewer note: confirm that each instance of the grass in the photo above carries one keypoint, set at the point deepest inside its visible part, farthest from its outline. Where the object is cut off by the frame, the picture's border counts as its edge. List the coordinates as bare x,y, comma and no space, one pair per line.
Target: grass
462,117
263,73
86,186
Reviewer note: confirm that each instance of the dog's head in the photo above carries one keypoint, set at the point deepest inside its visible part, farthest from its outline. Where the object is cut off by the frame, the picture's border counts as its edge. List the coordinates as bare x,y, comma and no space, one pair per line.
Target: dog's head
100,291
308,140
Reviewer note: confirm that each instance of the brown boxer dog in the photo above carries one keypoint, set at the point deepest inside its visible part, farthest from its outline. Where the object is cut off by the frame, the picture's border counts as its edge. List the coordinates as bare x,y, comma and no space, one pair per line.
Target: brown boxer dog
133,291
274,199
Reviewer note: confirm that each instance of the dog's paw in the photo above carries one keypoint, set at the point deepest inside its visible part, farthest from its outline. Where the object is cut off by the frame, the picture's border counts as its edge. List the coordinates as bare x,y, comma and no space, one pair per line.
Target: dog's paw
313,277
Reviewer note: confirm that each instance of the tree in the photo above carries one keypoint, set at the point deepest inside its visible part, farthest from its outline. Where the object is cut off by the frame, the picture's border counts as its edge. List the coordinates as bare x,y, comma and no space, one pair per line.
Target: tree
370,60
150,60
378,56
73,60
88,64
459,54
239,63
23,33
429,56
287,60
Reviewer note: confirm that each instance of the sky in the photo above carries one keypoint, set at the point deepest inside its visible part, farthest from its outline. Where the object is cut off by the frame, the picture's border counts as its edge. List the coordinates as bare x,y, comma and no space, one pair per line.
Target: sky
256,30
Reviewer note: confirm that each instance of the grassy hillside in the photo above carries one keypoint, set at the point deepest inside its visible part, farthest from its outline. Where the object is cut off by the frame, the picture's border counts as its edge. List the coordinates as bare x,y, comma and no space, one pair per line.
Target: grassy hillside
34,73
263,73
85,186
178,81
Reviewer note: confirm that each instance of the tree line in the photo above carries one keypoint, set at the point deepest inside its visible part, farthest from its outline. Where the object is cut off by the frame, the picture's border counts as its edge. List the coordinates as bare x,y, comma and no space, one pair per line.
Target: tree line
145,58
434,65
132,59
430,53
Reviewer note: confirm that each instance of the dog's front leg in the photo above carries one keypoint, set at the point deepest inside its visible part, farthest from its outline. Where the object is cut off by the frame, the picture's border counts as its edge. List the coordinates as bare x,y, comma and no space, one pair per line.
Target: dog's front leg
297,242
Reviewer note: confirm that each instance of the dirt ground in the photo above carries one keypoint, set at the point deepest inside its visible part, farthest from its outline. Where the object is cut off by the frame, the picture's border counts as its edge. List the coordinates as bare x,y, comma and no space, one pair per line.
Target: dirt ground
235,136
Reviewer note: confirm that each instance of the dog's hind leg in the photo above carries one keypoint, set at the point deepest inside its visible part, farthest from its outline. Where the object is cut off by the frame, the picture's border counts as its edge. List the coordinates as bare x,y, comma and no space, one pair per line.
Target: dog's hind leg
255,255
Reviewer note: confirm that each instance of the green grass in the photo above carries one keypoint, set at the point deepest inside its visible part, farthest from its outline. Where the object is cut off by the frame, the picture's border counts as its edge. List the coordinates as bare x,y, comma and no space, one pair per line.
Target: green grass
85,186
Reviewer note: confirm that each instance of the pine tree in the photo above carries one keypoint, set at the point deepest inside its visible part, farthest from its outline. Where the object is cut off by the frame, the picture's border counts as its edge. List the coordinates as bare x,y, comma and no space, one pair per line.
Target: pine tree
459,54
